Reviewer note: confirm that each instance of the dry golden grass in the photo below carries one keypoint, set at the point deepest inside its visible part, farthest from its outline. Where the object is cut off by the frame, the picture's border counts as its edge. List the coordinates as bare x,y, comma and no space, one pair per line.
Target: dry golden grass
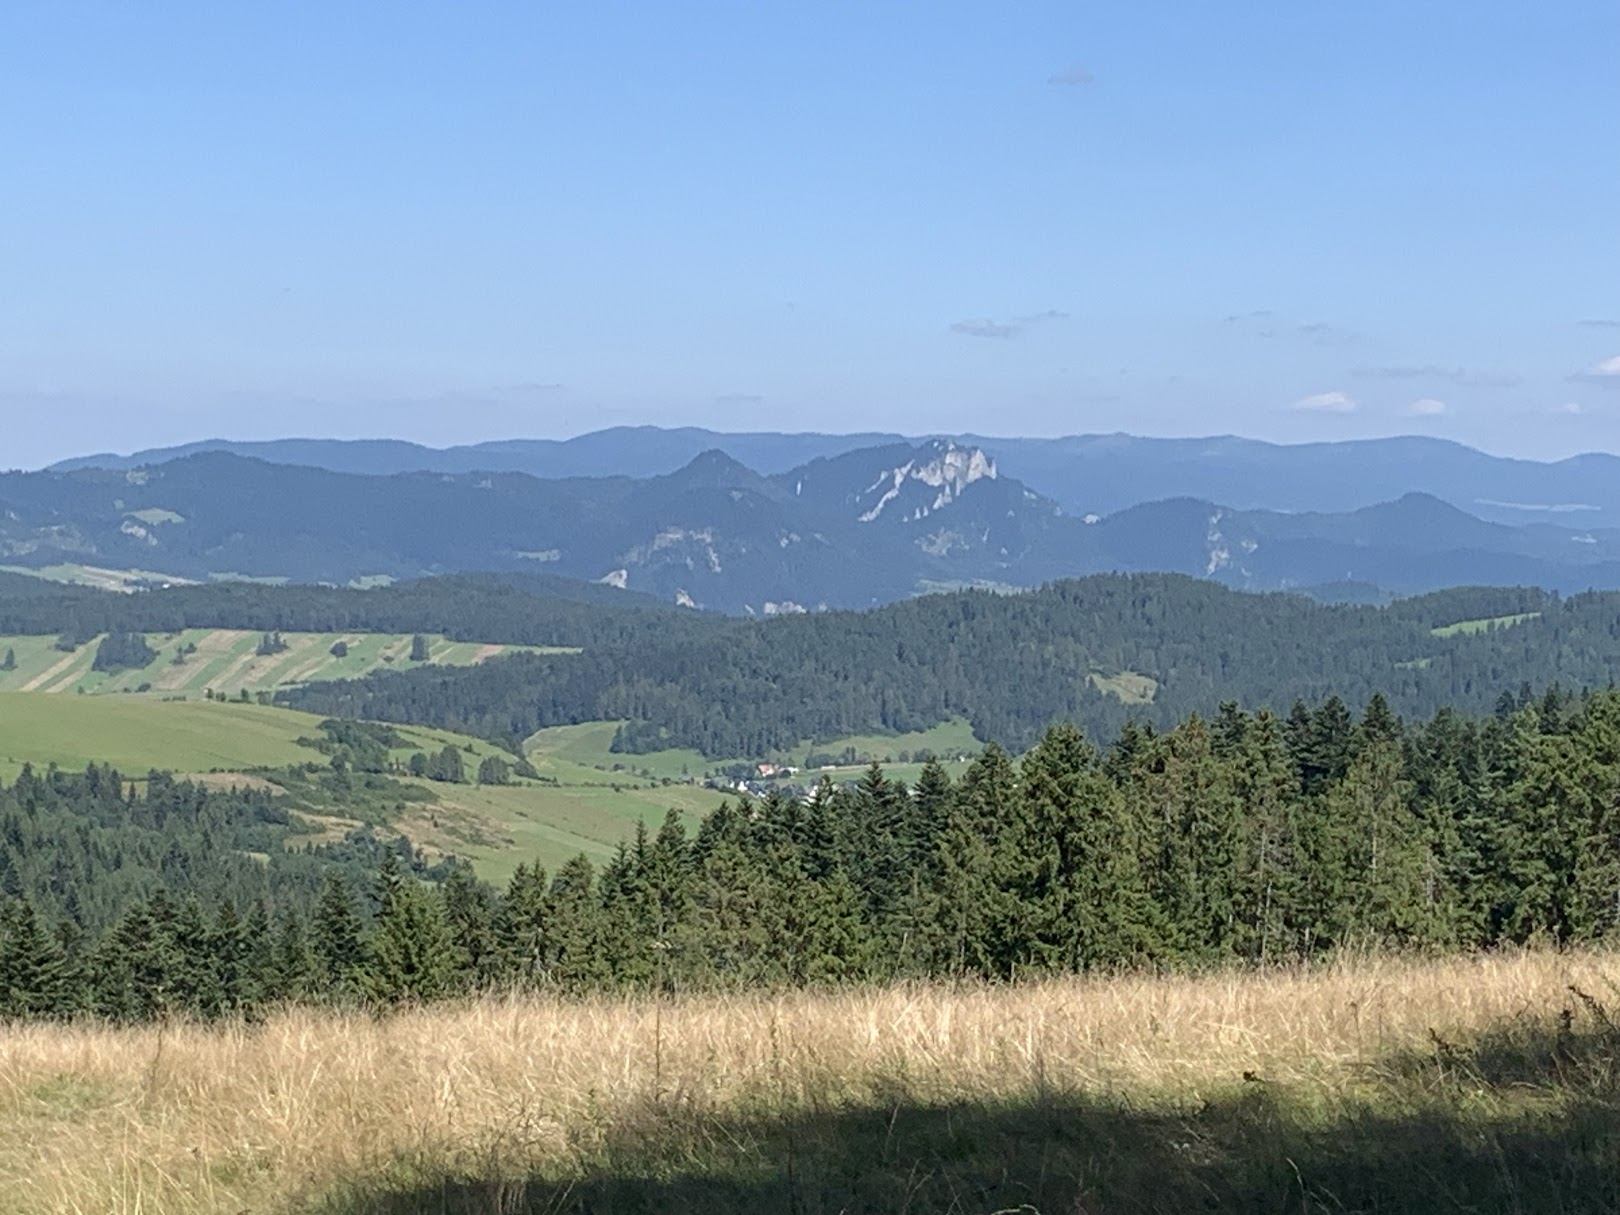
184,1119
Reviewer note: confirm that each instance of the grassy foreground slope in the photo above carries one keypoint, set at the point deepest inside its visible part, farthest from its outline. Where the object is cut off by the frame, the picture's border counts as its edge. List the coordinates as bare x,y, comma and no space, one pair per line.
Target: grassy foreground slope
1468,1085
227,661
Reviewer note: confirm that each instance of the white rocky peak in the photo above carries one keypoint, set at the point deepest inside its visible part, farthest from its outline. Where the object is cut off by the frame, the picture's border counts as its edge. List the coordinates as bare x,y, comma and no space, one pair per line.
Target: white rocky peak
949,469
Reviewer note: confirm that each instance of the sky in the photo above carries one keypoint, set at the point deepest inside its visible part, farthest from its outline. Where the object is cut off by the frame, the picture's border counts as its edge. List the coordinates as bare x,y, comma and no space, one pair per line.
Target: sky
459,222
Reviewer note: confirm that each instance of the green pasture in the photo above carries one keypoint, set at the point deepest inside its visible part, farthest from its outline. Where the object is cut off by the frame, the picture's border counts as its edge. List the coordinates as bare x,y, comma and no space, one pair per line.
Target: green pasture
498,828
1467,628
138,735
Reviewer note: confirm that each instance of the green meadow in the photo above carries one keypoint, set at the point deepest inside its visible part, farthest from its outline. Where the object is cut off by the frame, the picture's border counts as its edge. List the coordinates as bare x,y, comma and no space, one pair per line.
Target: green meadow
136,735
1468,628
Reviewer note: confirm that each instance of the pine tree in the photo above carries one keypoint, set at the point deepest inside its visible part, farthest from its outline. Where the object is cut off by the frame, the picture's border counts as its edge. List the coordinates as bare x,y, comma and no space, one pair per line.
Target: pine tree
1074,862
829,940
1383,858
574,915
335,940
410,956
470,914
966,907
1195,821
233,990
521,928
293,965
1266,895
33,981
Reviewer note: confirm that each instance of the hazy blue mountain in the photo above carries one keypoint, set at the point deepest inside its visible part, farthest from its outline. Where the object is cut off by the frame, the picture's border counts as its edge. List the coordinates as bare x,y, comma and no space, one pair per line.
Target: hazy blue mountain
847,529
632,451
1083,474
1105,473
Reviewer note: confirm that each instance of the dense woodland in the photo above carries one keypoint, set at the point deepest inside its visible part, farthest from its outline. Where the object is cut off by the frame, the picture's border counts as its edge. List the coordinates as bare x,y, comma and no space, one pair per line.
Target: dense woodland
1243,838
1010,665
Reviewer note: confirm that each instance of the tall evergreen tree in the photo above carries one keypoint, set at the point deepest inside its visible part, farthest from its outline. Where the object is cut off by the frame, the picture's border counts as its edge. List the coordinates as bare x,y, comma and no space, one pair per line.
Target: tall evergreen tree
335,941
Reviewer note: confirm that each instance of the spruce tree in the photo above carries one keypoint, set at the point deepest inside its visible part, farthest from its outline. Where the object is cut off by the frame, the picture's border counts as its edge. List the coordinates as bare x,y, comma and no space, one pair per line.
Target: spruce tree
335,940
967,905
1194,819
33,980
574,914
470,916
1073,858
293,964
521,928
410,956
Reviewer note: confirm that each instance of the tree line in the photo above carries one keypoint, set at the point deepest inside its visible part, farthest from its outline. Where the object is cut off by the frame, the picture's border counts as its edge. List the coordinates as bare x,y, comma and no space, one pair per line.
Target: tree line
515,609
1242,838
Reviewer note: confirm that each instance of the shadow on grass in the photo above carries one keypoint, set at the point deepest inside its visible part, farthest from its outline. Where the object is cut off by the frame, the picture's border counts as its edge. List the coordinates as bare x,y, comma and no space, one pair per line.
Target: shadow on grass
1524,1121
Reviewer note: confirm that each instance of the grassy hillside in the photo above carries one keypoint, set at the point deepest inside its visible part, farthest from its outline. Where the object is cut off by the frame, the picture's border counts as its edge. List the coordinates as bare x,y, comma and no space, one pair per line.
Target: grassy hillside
500,827
1378,1086
227,661
137,735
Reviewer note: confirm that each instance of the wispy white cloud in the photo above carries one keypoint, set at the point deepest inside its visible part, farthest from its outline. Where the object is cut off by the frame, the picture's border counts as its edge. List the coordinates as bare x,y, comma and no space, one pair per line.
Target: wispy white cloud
1427,407
1322,333
1327,402
1607,369
1073,77
1463,377
984,327
1569,409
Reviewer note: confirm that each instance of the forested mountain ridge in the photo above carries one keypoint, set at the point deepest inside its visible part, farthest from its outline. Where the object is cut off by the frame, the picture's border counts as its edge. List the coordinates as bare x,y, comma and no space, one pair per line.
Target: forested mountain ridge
1082,650
854,529
513,609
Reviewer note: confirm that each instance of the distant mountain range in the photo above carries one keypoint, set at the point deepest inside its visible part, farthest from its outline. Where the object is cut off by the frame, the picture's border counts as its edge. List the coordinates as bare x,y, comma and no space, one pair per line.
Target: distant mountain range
843,528
1083,474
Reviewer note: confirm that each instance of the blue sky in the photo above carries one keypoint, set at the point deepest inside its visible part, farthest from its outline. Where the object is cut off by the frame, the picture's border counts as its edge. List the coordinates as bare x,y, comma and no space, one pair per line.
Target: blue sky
459,222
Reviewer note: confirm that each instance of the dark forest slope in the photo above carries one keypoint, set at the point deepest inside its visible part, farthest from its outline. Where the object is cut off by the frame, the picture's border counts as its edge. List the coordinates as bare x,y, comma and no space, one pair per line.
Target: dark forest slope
1011,664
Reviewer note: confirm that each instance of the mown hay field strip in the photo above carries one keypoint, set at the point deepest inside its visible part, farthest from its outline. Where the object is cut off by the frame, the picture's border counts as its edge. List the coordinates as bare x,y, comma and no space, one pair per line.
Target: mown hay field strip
227,661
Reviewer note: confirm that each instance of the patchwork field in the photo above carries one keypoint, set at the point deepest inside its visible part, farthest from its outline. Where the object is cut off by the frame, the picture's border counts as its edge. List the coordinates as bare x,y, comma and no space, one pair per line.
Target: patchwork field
571,809
227,662
1392,1086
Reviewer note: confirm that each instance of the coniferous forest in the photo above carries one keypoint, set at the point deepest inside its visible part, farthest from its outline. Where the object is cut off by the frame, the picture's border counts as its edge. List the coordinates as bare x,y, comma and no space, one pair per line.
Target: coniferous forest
1240,838
1010,665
